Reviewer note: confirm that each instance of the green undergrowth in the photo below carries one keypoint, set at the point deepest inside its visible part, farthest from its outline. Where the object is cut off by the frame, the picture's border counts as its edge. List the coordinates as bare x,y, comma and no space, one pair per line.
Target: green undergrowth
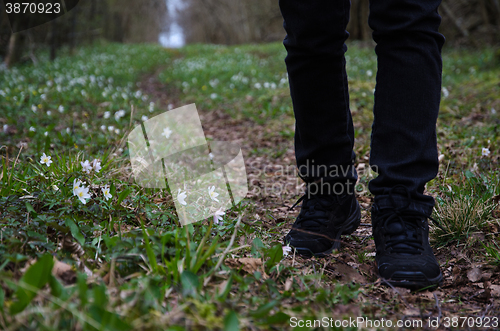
134,267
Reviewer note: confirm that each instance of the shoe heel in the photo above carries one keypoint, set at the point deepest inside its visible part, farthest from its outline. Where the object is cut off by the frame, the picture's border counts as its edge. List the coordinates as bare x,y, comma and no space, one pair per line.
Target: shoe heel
353,221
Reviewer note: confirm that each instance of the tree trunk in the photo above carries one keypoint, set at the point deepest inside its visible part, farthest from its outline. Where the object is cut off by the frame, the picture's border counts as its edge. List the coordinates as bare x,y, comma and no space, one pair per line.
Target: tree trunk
72,34
353,26
118,31
366,32
91,21
358,24
53,39
16,46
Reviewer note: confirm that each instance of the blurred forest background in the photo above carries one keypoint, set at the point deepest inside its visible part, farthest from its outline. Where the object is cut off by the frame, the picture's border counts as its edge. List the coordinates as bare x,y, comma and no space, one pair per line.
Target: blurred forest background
465,22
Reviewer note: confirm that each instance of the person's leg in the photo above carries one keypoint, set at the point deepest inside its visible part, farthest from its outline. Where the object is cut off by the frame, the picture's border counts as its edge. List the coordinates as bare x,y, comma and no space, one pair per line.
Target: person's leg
407,96
403,147
324,135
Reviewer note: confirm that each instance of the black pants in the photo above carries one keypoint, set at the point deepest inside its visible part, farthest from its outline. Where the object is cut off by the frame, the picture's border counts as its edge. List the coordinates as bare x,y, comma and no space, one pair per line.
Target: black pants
407,94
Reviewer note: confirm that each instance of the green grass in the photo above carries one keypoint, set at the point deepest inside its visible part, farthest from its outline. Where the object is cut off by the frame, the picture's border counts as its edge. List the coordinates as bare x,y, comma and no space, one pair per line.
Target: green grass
466,209
160,275
493,252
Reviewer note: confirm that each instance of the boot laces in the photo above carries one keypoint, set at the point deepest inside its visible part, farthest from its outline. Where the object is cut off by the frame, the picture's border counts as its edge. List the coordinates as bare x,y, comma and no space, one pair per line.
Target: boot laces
404,230
316,209
404,226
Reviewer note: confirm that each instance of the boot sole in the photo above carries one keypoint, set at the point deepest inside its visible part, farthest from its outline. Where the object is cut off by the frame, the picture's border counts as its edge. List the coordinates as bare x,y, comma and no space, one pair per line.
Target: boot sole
414,280
349,226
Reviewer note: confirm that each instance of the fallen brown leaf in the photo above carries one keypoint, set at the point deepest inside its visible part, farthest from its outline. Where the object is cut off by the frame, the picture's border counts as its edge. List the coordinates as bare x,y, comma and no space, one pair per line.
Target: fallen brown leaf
349,274
495,291
288,284
486,276
222,286
64,272
248,264
474,275
368,270
428,296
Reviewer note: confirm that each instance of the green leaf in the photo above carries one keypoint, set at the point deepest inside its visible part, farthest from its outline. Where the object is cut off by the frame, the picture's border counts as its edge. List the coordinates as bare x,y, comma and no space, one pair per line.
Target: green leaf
4,264
123,195
149,250
207,254
257,247
110,241
107,320
35,277
189,283
469,174
2,298
82,288
75,231
55,286
231,322
100,298
275,255
278,318
30,208
264,309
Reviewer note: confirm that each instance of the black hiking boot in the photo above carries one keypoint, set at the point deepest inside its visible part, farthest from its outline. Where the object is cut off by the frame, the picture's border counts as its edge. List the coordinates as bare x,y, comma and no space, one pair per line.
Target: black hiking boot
404,256
323,218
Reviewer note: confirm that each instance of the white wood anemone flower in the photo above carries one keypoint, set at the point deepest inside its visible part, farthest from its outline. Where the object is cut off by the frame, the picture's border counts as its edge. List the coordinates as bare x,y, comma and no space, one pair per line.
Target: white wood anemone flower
76,185
218,216
105,192
44,159
83,193
181,196
286,250
213,195
86,166
96,164
166,133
